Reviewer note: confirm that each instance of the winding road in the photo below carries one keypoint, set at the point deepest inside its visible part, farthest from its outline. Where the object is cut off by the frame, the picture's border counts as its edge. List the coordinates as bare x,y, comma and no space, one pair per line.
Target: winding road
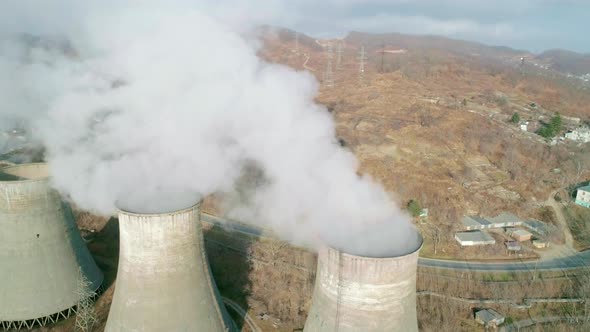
569,261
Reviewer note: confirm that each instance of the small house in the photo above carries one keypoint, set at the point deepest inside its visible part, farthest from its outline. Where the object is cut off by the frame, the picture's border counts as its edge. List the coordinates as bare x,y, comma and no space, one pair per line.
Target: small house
520,235
489,318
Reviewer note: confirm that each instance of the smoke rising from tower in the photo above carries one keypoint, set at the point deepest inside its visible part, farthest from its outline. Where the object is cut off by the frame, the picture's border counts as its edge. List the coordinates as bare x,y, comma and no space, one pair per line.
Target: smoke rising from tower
171,98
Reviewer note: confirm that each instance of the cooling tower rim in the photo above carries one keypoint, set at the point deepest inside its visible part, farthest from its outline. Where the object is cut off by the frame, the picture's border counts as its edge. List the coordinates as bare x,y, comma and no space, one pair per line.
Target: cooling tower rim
379,258
124,211
40,179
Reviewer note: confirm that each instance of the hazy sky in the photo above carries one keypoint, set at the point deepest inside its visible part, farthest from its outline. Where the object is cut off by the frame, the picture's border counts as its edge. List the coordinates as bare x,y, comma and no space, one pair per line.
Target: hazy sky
535,25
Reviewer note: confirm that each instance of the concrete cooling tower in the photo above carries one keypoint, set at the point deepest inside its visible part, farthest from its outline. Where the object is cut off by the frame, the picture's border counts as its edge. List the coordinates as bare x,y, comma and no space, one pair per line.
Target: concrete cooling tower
164,282
356,293
43,258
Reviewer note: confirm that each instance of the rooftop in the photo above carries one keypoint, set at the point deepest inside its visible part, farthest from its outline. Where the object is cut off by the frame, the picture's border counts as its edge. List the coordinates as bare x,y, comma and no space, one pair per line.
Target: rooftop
475,236
505,217
488,315
470,221
521,232
585,188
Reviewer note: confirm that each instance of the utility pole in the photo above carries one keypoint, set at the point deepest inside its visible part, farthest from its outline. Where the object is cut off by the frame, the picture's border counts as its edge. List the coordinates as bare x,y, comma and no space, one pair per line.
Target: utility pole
362,57
328,74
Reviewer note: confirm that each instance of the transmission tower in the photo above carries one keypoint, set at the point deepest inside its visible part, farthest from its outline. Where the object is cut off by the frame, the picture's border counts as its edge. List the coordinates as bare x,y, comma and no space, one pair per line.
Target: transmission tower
85,314
296,42
328,74
339,54
362,58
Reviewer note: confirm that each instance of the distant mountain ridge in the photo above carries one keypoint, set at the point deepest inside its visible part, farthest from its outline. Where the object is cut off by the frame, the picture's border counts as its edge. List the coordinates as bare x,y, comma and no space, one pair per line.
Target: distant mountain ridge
566,61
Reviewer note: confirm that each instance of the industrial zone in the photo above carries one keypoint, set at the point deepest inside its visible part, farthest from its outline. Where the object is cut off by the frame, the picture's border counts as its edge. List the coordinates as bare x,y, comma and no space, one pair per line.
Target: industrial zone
499,207
164,282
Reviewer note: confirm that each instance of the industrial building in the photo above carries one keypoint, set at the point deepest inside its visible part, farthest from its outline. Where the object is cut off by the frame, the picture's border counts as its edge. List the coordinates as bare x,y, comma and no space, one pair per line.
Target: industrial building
42,255
474,238
164,281
506,220
356,293
502,220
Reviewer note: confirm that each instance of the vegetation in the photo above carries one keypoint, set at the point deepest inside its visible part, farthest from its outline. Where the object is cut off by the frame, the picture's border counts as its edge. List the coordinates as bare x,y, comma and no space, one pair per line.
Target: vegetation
414,208
515,118
578,220
549,130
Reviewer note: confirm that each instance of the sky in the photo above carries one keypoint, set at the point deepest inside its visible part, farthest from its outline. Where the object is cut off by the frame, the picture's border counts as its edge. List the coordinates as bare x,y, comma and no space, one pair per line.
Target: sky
534,25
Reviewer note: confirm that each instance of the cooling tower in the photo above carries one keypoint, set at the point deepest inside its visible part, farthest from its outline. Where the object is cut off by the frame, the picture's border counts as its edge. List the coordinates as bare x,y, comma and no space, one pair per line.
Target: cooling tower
356,293
42,255
164,282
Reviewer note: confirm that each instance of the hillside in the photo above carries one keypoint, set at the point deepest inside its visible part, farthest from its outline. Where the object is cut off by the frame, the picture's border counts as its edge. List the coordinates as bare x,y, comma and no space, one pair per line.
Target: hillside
431,123
567,61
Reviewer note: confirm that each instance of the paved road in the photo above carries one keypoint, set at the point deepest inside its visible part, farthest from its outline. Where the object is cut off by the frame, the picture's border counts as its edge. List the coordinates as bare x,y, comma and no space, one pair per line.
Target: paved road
574,261
242,313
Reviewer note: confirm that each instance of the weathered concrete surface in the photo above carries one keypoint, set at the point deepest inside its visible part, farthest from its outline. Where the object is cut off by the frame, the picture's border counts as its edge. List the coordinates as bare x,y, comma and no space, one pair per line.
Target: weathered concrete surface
164,281
354,293
41,250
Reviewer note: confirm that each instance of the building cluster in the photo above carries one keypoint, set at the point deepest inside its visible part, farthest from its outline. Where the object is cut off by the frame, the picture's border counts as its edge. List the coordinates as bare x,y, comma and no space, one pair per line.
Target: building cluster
164,282
475,231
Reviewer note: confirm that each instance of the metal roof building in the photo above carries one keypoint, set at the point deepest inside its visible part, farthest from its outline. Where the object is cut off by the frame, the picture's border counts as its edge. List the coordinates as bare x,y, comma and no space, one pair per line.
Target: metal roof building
356,293
42,255
474,238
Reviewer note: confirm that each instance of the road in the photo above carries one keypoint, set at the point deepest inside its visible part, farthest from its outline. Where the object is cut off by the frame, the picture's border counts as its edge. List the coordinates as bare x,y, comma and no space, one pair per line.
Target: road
247,319
570,261
569,240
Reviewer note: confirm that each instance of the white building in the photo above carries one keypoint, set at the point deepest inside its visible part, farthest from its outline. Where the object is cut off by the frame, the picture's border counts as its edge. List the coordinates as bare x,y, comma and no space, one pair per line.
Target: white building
581,134
583,196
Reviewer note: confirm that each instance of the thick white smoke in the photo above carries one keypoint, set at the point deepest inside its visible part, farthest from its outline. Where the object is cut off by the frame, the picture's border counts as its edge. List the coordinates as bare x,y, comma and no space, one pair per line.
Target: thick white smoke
175,100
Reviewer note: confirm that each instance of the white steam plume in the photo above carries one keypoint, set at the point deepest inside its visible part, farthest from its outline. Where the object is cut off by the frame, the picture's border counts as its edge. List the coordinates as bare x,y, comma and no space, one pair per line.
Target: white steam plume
175,100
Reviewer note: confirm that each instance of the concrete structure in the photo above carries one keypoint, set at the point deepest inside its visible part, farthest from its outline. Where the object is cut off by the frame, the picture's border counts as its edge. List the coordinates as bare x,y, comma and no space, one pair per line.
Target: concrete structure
489,318
513,246
520,235
164,282
583,196
474,238
540,244
42,255
356,293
